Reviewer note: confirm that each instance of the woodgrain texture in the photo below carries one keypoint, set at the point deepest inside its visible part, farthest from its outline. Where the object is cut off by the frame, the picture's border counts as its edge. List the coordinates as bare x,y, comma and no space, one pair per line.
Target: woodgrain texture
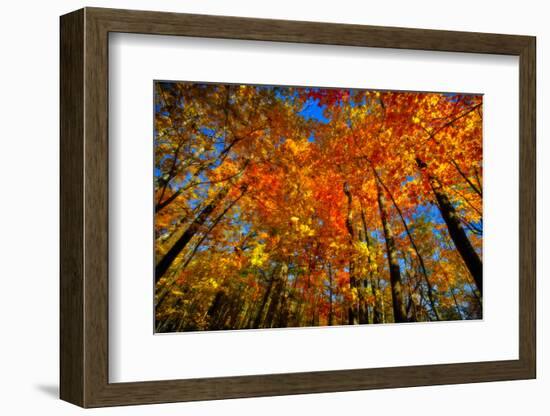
84,207
71,207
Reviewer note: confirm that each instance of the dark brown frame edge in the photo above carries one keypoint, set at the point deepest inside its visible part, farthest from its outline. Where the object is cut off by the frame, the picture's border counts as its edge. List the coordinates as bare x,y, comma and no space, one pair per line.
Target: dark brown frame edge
84,209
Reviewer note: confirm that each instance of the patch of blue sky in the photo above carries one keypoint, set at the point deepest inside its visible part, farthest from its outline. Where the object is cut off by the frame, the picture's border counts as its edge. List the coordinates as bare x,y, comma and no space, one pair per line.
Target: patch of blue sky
313,111
245,226
195,202
207,131
429,212
219,146
284,93
378,235
402,263
468,289
478,224
408,179
157,172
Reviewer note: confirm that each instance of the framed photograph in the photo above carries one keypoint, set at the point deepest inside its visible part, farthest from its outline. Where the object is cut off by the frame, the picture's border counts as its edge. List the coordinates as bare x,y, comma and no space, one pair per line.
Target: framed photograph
255,207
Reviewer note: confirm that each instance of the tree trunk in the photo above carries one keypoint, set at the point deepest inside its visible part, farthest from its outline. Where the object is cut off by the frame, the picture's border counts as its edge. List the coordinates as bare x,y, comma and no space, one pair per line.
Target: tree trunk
282,321
258,320
213,224
234,312
213,310
172,172
458,235
468,181
167,201
276,297
399,312
352,313
374,283
330,310
162,204
456,305
431,297
284,310
163,265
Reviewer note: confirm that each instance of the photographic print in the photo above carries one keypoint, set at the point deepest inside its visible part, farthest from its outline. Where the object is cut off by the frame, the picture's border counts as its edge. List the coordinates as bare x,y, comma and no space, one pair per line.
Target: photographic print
285,206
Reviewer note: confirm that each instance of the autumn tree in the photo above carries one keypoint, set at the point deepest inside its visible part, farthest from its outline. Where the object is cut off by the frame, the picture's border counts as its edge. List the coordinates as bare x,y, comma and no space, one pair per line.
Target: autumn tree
282,207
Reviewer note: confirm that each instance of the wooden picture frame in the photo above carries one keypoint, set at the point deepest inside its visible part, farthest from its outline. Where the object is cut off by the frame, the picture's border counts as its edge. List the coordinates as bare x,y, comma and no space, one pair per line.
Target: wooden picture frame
84,207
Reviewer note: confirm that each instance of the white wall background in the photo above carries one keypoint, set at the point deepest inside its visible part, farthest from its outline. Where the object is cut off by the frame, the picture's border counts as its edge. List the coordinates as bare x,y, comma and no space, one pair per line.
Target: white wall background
29,158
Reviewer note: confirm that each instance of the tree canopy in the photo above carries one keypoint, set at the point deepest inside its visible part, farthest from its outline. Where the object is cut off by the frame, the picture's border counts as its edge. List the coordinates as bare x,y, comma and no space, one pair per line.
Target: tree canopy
287,206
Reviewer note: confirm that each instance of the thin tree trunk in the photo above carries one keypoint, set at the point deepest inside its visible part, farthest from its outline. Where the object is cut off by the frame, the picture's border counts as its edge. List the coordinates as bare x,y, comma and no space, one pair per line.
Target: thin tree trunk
276,296
213,310
364,311
214,224
378,310
172,173
330,310
352,315
234,312
431,297
399,312
465,177
178,192
377,314
411,305
282,320
259,316
456,305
